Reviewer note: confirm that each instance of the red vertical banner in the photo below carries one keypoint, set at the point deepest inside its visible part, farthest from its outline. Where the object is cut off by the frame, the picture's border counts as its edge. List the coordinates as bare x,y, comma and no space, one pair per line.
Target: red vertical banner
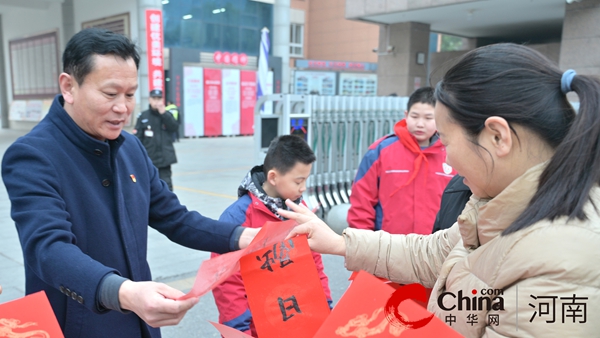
154,40
247,101
212,102
284,291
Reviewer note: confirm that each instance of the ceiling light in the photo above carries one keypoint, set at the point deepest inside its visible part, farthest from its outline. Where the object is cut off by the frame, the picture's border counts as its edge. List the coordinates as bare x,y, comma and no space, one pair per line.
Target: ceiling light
187,17
164,2
218,10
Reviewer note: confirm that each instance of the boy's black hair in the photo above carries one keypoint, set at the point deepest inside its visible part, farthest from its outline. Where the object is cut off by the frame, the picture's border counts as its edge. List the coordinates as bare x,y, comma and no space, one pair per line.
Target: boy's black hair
421,95
78,55
285,151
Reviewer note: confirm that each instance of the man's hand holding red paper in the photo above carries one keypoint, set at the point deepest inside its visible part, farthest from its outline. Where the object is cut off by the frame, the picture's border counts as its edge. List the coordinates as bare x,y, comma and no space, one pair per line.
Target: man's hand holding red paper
155,303
214,271
247,236
161,305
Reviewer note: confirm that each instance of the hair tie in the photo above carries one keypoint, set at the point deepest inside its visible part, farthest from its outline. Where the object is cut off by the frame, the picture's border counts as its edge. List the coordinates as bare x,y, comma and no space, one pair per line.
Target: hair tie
566,79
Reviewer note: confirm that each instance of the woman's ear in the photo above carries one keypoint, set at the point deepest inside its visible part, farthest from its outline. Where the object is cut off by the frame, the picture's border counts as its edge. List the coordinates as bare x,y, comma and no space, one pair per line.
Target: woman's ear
67,84
498,133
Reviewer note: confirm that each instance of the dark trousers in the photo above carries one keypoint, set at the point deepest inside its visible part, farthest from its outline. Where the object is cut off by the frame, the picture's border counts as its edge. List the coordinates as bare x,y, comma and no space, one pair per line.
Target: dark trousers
165,174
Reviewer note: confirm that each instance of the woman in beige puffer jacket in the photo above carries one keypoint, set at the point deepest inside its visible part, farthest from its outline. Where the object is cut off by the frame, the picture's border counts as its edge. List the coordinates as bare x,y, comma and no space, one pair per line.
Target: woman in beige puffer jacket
530,235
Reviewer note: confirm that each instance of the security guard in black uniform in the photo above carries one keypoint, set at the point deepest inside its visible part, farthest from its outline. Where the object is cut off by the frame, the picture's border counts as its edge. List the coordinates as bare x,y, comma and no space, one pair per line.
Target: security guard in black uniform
155,128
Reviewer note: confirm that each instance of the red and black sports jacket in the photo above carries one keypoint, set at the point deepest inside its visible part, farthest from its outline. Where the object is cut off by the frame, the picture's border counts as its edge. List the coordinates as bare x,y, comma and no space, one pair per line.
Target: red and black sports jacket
398,185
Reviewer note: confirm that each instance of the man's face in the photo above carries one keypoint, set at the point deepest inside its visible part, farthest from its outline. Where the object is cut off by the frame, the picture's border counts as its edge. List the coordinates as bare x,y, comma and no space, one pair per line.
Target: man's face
155,102
103,103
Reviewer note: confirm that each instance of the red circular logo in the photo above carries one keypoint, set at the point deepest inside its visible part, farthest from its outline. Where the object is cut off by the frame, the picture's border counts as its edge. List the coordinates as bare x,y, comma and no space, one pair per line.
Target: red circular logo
226,58
410,291
243,59
235,58
218,57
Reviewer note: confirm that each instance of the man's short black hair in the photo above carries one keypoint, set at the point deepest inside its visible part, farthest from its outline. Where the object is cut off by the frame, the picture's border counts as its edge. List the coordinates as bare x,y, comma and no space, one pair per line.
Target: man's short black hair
285,151
421,95
78,55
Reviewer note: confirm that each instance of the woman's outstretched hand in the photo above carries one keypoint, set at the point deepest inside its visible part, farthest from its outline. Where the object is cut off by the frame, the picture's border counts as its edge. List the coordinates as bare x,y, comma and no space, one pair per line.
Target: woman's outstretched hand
320,236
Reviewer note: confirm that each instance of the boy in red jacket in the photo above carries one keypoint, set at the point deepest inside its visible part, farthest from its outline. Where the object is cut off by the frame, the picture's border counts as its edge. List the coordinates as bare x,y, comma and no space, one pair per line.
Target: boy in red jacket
265,188
401,178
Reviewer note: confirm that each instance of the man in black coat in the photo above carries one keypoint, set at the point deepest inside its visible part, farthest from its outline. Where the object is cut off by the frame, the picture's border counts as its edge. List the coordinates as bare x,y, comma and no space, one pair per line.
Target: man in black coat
155,128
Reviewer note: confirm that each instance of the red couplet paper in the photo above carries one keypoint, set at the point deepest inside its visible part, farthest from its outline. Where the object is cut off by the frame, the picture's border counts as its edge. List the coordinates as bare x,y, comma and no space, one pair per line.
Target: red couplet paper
284,291
30,316
394,285
214,271
269,234
360,313
229,332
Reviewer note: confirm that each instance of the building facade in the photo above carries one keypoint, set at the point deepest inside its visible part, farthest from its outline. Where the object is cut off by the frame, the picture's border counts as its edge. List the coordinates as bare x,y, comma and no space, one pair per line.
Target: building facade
565,31
201,33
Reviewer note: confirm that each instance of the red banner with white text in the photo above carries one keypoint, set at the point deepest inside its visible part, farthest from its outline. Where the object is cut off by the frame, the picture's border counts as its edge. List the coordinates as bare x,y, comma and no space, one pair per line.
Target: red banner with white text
154,39
247,101
213,115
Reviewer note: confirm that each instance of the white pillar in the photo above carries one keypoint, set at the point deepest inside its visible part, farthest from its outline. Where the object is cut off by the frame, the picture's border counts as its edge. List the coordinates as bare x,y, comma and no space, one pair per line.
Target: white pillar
281,40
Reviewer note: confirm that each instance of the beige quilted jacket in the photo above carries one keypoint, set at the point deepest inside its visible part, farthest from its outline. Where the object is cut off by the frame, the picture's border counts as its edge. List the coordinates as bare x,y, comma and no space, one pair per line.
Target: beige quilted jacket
548,273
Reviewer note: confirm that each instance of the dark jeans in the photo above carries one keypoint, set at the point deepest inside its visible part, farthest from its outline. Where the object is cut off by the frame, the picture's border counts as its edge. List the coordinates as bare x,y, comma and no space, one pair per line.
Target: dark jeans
165,174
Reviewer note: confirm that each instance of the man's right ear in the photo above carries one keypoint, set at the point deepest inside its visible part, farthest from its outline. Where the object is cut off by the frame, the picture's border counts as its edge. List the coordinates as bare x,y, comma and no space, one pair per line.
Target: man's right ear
67,84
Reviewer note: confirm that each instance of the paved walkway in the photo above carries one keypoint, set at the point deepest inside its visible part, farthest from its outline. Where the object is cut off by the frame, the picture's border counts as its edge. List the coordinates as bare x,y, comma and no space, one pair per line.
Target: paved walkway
205,179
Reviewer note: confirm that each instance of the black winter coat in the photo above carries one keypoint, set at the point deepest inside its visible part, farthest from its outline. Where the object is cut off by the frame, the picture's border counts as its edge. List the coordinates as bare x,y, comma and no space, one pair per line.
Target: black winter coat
160,146
455,197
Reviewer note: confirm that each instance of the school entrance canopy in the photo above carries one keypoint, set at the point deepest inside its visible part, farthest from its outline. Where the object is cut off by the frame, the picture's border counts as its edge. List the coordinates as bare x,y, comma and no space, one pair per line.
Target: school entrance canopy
559,29
514,19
